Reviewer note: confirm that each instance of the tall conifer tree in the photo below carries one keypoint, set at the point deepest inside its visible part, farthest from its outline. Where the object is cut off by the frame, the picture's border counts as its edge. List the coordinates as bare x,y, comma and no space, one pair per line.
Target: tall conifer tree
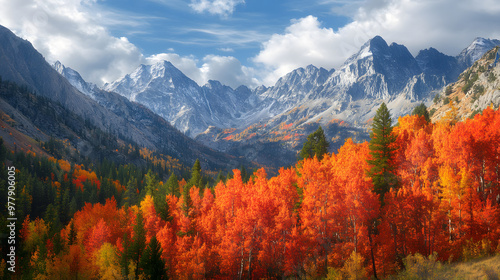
151,261
421,110
173,185
382,150
138,243
196,180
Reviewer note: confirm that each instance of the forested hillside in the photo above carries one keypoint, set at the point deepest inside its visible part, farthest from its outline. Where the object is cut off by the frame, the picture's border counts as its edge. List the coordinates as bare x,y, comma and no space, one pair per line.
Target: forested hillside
319,218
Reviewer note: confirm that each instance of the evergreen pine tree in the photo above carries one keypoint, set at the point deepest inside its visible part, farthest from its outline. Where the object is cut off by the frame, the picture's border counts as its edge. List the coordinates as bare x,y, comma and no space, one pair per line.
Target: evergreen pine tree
421,110
229,175
219,178
244,174
72,207
124,257
382,152
159,194
315,145
52,218
58,243
151,183
173,185
138,242
64,208
151,261
196,178
130,196
3,151
72,234
187,203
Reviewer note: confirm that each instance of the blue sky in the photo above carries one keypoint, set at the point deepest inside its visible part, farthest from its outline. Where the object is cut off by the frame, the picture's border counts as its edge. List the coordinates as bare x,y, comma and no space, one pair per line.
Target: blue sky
250,42
169,26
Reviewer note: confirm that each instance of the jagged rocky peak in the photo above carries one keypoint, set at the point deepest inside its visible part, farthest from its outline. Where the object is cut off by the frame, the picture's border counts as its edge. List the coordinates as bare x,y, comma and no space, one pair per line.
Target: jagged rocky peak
301,76
377,48
402,53
75,79
160,76
394,62
376,45
243,90
313,70
215,85
159,70
475,50
427,56
165,68
58,66
434,62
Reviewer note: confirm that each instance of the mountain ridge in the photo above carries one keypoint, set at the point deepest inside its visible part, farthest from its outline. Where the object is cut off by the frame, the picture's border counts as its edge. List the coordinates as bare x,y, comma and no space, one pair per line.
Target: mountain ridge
111,113
378,72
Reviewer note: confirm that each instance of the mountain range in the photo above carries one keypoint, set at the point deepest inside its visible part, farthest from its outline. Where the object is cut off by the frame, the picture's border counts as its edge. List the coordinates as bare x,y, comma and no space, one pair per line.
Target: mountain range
238,120
156,105
377,72
113,115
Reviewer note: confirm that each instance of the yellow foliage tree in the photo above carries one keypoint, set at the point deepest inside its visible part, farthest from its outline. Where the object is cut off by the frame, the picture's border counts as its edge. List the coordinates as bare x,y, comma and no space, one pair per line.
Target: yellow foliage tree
108,263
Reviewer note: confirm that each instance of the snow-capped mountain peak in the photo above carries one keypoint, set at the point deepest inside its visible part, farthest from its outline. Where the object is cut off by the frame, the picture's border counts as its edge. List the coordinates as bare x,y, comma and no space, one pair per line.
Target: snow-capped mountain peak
161,76
378,71
475,50
75,79
165,90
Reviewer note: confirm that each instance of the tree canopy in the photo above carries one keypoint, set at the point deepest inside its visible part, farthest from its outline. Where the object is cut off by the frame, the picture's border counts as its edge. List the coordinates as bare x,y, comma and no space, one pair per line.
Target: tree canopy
315,145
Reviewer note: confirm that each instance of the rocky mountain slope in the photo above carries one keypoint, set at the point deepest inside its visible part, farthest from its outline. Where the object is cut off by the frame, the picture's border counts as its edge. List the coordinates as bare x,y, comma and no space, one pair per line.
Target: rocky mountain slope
476,88
168,92
130,122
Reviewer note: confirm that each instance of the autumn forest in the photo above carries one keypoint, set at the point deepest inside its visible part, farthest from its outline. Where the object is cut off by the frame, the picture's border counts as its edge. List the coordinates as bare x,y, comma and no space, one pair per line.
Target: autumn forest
432,188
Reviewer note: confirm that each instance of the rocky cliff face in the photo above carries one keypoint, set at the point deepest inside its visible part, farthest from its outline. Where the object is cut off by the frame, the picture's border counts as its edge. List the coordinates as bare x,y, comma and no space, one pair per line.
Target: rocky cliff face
169,93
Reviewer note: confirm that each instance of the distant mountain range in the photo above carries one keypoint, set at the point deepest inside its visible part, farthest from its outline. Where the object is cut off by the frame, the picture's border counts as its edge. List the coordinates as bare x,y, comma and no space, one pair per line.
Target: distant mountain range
115,116
247,122
265,124
377,72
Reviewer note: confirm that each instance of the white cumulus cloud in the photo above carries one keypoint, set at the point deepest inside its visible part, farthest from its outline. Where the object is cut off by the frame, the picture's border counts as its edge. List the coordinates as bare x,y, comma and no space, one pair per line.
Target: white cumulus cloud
228,70
73,33
68,31
446,25
304,42
215,7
